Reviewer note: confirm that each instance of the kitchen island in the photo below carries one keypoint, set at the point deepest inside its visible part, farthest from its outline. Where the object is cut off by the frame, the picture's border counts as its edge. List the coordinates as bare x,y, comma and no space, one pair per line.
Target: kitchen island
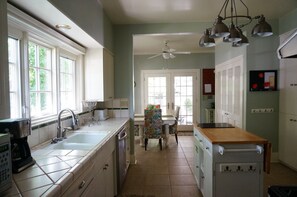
80,171
229,162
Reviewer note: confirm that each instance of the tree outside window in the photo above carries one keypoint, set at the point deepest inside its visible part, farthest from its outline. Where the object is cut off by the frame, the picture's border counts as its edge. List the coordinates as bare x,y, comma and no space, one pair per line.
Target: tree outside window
40,80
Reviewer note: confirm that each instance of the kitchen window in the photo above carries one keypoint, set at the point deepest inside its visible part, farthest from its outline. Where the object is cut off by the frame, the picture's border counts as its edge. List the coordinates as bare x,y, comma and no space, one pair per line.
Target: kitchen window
67,82
45,70
14,77
40,80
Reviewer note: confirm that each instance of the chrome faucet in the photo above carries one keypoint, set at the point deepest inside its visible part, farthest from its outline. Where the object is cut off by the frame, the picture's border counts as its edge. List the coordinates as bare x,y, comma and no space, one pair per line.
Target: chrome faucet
61,133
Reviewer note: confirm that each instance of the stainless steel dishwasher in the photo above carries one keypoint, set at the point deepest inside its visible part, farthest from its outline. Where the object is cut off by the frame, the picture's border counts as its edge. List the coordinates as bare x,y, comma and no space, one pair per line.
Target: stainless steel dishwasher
122,166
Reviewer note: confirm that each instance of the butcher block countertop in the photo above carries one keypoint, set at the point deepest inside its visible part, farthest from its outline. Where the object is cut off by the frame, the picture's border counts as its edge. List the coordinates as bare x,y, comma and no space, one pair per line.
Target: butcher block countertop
230,136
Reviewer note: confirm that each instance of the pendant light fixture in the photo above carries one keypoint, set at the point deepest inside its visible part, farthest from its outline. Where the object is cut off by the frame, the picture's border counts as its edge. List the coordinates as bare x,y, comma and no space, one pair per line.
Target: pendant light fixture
206,41
234,34
243,42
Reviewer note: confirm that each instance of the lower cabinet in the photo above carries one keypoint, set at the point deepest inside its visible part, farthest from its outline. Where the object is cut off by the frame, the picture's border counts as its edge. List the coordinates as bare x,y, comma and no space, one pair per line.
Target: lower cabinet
103,182
99,177
81,184
287,139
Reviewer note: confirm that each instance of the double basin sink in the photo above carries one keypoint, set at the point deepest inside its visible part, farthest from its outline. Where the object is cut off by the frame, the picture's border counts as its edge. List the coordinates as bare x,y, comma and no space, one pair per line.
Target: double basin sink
80,141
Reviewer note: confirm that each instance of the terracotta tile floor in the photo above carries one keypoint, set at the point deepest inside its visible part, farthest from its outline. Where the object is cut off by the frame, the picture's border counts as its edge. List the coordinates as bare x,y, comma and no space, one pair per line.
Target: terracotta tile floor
168,173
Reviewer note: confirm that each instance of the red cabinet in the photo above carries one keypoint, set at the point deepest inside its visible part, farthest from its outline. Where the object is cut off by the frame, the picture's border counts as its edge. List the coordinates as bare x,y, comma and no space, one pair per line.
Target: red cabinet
208,81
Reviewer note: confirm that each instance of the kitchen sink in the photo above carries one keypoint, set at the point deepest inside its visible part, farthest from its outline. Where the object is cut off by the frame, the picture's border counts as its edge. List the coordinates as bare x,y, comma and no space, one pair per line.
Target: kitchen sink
80,141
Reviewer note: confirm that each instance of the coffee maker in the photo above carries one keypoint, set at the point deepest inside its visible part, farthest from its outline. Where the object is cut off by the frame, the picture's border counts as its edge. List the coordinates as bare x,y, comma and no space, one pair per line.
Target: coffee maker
19,130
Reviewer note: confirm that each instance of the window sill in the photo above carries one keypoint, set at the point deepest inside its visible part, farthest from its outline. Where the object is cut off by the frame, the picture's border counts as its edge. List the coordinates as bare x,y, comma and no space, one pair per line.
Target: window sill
42,122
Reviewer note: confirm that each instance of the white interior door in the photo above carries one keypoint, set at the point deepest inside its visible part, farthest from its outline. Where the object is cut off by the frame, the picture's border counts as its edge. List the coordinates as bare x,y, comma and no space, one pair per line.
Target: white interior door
173,88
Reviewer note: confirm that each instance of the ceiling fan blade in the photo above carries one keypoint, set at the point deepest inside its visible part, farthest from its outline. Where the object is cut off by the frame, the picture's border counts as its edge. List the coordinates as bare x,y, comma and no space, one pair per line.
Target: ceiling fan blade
182,52
154,56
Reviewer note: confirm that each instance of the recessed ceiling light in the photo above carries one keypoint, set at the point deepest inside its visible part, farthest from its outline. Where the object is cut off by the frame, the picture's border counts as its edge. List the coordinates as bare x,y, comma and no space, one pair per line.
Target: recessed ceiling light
63,27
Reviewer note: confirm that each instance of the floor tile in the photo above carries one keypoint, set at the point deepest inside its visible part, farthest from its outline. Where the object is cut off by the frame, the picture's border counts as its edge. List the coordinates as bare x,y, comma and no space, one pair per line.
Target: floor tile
179,180
182,170
157,179
182,191
157,191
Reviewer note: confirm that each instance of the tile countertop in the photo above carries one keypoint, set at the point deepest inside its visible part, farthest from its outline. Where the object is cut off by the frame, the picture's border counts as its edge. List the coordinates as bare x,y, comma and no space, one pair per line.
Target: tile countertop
55,169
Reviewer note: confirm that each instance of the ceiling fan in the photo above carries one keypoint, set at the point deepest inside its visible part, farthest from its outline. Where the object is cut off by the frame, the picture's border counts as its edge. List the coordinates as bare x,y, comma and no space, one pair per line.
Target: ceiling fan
168,53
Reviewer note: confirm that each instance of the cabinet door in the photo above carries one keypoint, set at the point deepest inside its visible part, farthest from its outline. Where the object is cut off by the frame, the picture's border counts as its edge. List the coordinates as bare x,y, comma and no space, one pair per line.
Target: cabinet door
108,69
287,139
288,86
82,183
196,163
229,88
208,174
109,177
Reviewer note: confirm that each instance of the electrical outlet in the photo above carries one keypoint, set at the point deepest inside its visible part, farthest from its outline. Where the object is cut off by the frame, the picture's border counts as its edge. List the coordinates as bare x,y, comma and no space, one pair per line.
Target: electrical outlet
255,110
269,110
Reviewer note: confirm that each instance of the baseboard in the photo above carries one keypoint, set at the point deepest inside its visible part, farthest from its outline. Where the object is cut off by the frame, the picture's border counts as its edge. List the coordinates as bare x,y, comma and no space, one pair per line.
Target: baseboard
274,157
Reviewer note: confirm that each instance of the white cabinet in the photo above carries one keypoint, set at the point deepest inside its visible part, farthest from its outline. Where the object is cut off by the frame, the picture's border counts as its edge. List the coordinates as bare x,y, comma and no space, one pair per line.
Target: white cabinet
99,177
229,92
288,112
288,86
81,184
103,182
203,166
99,75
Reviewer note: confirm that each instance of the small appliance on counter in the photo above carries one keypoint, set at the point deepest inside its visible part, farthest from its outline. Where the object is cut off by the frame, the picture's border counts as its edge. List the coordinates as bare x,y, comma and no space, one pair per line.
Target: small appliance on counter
101,114
19,130
5,163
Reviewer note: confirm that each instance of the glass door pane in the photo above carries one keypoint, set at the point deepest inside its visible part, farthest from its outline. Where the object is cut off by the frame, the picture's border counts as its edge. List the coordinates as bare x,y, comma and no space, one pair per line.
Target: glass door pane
183,97
157,91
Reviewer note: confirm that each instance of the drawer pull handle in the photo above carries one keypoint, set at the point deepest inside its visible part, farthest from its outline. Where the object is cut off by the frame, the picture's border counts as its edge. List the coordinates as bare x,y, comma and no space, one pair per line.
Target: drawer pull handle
106,165
82,184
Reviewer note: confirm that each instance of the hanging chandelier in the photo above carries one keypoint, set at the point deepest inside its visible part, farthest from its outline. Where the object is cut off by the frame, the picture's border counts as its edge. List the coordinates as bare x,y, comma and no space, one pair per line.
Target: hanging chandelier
233,33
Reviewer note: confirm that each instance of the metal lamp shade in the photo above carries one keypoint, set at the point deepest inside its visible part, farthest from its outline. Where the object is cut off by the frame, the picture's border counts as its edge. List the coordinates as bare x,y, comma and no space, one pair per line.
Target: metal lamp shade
206,41
234,34
219,29
262,29
243,42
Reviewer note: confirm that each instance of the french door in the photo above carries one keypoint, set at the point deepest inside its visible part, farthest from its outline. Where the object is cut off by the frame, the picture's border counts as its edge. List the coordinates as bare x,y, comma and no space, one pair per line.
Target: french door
173,88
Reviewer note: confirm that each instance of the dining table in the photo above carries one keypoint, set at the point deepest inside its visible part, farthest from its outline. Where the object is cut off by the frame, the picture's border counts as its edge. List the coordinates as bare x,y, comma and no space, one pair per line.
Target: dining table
139,121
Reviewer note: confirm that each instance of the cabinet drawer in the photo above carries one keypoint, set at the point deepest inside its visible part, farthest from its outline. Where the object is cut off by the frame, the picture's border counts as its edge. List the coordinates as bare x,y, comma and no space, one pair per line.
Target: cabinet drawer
81,183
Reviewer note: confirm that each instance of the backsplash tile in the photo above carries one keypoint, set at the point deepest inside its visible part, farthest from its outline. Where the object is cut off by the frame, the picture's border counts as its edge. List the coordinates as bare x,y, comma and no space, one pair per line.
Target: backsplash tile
116,103
125,113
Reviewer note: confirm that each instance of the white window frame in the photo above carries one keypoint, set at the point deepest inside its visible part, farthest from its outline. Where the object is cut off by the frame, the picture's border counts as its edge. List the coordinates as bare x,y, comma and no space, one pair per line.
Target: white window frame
68,55
30,29
16,80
